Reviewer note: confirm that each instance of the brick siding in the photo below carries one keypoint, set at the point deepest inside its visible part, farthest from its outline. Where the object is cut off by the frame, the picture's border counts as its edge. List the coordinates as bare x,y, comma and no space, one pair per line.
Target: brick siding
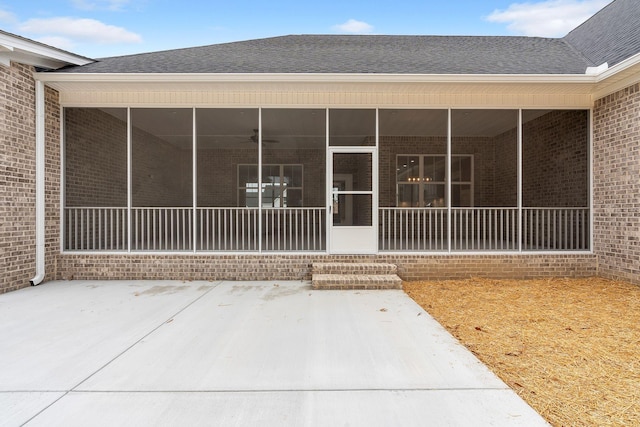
616,184
17,177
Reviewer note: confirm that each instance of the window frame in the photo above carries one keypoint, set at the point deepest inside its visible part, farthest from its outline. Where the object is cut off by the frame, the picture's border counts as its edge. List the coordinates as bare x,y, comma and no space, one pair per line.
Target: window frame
421,181
281,167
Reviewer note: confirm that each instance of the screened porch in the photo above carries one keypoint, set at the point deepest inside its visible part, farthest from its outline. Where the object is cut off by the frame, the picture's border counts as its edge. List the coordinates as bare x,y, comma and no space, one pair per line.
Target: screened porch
263,180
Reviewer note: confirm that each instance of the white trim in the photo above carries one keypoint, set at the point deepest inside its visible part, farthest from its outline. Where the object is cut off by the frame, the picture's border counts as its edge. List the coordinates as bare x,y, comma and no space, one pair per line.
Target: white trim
326,253
63,180
519,178
356,231
20,49
40,185
194,178
313,78
620,66
129,178
260,228
591,203
448,178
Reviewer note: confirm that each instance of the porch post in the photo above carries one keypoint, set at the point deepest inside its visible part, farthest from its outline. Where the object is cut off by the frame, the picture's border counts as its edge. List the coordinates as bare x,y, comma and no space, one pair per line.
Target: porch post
194,177
448,180
519,180
129,184
260,180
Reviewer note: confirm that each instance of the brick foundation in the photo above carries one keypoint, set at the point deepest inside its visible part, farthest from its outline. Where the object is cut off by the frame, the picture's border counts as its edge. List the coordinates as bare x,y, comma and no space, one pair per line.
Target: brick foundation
298,267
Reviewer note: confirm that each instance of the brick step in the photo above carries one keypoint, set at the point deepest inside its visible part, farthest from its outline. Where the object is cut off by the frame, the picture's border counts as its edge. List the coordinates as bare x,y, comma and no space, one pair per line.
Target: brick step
346,268
356,281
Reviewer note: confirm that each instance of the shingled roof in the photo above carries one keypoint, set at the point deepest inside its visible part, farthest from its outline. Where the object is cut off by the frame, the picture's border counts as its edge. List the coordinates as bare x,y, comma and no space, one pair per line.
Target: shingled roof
359,54
612,35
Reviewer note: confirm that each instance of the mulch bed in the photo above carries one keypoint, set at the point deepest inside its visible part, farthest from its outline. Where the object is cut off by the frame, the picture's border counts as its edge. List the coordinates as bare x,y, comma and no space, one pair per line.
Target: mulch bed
569,347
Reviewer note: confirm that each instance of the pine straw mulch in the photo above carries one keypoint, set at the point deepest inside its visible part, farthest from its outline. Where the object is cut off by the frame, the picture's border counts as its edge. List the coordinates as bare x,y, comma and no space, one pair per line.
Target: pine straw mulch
569,347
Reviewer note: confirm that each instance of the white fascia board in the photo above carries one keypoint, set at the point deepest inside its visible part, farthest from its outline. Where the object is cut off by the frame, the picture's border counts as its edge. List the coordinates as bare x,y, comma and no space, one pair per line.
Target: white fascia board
619,67
41,52
313,78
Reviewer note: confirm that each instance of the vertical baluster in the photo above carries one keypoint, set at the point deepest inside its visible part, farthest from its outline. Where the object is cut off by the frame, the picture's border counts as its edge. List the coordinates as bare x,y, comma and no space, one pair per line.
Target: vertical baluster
582,229
208,214
411,230
318,229
565,230
499,244
97,232
225,228
134,229
241,224
176,220
466,228
73,228
389,220
217,227
572,225
145,214
383,229
494,229
393,228
109,241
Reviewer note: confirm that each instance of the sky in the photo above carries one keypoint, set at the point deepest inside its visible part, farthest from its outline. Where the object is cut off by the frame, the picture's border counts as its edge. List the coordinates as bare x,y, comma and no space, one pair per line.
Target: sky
101,28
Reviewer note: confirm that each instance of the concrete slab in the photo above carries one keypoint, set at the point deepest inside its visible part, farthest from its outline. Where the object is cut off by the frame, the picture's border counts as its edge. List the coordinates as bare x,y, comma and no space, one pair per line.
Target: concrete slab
296,408
54,336
16,408
237,353
285,336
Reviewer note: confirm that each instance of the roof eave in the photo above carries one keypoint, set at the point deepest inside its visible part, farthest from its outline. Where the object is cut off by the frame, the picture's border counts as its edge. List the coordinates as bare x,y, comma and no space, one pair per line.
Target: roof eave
29,52
313,78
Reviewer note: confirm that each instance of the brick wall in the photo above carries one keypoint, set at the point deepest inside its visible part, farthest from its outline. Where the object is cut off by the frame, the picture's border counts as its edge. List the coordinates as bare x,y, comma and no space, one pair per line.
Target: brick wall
95,158
17,177
298,267
555,166
616,184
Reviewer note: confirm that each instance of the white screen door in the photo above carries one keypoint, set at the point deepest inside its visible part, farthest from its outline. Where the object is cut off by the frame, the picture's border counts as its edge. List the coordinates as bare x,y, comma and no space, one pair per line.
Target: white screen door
353,221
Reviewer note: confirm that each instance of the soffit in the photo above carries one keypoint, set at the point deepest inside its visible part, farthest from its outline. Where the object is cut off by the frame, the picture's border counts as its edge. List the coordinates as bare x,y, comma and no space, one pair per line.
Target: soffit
447,91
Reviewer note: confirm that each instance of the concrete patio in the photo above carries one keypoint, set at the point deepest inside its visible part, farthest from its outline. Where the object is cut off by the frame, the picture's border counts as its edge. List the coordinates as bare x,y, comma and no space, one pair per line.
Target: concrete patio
138,353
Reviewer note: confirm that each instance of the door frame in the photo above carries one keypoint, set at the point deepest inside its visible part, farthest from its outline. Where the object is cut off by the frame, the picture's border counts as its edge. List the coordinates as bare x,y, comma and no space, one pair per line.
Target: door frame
365,236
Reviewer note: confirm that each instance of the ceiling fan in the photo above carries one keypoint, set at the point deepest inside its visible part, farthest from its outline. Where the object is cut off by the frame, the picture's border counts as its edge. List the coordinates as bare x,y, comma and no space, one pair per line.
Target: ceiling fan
255,137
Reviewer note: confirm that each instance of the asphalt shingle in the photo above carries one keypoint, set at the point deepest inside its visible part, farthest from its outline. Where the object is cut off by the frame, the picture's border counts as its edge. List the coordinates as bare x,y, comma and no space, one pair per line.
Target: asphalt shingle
612,35
358,55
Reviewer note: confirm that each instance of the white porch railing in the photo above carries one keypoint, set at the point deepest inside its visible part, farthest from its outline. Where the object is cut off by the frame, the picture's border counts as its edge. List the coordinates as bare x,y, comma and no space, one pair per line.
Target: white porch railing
161,229
293,229
227,229
216,229
304,229
564,229
95,229
413,229
482,229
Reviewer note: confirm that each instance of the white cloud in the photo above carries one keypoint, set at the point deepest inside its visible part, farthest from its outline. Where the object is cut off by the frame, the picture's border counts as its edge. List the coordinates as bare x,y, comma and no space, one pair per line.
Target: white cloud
550,18
353,26
114,5
7,17
70,31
